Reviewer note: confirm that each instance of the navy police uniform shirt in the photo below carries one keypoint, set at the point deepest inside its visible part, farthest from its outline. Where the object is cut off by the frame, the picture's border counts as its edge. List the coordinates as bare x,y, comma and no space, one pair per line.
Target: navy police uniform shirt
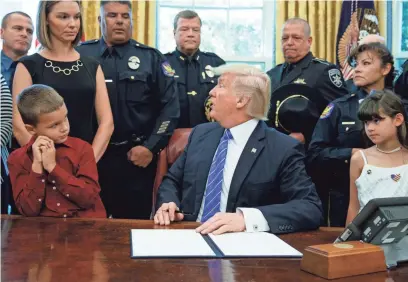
337,132
313,72
195,80
142,91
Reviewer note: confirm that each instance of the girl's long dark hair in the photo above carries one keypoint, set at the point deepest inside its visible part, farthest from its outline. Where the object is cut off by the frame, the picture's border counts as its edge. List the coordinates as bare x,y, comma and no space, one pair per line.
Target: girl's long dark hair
389,104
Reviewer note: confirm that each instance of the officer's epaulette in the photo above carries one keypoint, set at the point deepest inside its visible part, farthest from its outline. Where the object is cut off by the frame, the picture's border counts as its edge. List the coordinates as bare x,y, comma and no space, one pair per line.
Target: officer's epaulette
210,54
140,45
318,60
347,97
170,53
93,41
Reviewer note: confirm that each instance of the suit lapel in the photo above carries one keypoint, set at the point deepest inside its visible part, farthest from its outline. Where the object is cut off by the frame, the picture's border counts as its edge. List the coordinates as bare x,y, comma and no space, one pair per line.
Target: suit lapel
252,150
208,145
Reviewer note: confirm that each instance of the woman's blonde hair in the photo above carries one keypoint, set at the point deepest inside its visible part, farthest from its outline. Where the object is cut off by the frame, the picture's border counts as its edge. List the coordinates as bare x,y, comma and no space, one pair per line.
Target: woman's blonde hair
252,82
43,31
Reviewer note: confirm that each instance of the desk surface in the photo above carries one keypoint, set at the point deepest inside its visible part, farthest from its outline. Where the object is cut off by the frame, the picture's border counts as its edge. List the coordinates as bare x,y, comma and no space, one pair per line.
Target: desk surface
76,250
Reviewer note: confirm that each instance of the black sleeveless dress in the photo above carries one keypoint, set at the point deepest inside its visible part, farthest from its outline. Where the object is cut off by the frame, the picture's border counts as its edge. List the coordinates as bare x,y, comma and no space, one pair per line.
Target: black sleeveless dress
76,83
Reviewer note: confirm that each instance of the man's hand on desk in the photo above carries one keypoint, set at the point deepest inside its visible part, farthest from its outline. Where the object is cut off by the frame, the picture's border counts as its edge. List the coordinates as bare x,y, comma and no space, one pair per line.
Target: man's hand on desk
222,223
167,214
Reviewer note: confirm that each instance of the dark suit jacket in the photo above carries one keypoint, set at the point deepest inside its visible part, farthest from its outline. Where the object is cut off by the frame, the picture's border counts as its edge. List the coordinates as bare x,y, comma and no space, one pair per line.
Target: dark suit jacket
271,178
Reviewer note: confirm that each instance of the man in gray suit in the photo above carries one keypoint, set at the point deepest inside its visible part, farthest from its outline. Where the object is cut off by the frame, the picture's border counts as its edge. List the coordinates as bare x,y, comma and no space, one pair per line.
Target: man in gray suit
237,174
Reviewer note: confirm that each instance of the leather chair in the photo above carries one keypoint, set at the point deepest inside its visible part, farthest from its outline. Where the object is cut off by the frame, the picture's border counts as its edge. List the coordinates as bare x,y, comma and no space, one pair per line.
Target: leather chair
168,156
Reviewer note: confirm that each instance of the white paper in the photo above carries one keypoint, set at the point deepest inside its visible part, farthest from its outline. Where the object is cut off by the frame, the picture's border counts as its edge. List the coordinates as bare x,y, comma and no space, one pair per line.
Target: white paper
254,244
169,243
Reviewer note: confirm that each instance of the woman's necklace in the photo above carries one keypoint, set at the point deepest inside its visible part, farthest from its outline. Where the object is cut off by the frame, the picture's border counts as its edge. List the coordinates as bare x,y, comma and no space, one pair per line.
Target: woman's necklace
388,152
66,71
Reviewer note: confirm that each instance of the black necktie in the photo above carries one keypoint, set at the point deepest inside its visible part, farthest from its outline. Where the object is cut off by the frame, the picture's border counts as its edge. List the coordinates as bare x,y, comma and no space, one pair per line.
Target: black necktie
111,50
287,70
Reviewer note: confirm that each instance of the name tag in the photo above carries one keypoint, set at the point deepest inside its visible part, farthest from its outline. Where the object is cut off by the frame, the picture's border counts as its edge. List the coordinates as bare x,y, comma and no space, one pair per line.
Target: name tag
348,122
108,80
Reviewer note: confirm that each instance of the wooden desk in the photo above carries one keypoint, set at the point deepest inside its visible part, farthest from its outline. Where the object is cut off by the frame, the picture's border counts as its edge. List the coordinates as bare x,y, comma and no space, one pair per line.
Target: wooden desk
76,250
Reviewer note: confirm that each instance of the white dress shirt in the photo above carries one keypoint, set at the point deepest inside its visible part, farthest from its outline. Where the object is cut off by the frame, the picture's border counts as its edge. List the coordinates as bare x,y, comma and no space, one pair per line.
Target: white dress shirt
254,219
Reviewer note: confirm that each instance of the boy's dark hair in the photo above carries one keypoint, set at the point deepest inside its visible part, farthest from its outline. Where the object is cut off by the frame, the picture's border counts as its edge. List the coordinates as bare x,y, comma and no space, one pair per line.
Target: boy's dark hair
37,99
382,52
104,2
186,14
7,16
390,105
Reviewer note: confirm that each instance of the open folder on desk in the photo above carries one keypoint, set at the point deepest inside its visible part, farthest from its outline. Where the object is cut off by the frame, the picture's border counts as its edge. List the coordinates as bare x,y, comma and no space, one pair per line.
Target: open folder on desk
175,243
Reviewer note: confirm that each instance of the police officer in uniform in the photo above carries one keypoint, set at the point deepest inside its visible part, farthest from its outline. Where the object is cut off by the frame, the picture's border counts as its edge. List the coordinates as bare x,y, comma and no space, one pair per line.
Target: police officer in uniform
338,133
336,136
193,69
301,67
145,108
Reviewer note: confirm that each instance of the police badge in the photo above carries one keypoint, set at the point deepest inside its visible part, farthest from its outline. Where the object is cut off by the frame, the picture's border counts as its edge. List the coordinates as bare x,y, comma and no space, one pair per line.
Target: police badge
300,81
335,77
208,71
134,63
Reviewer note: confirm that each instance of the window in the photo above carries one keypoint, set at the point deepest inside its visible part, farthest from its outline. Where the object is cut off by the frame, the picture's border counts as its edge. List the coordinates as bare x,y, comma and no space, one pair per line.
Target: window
27,6
400,24
236,30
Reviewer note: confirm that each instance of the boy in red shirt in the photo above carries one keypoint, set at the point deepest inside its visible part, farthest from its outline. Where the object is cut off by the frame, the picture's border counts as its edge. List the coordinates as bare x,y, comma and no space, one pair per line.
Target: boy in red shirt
54,174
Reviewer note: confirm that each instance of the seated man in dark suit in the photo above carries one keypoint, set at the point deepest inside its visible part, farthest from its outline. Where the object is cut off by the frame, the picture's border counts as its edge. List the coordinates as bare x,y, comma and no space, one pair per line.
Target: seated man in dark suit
237,174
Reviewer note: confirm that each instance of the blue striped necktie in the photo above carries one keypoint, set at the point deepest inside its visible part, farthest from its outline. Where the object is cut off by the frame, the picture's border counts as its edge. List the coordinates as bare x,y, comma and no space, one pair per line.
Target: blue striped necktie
215,178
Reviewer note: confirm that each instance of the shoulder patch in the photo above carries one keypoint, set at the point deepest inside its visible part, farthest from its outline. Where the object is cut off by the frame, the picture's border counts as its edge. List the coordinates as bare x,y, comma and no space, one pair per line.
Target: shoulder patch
335,77
93,41
321,61
327,111
167,69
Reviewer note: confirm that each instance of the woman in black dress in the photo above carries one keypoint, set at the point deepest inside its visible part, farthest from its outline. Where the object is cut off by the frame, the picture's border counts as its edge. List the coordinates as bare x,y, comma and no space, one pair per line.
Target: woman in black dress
79,80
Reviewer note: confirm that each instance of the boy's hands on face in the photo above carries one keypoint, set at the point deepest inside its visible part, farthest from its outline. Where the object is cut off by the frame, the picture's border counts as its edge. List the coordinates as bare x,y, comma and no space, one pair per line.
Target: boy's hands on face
48,155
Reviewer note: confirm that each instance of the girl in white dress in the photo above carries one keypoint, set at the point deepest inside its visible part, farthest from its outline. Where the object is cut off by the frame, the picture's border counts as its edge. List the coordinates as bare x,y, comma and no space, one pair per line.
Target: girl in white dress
381,170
